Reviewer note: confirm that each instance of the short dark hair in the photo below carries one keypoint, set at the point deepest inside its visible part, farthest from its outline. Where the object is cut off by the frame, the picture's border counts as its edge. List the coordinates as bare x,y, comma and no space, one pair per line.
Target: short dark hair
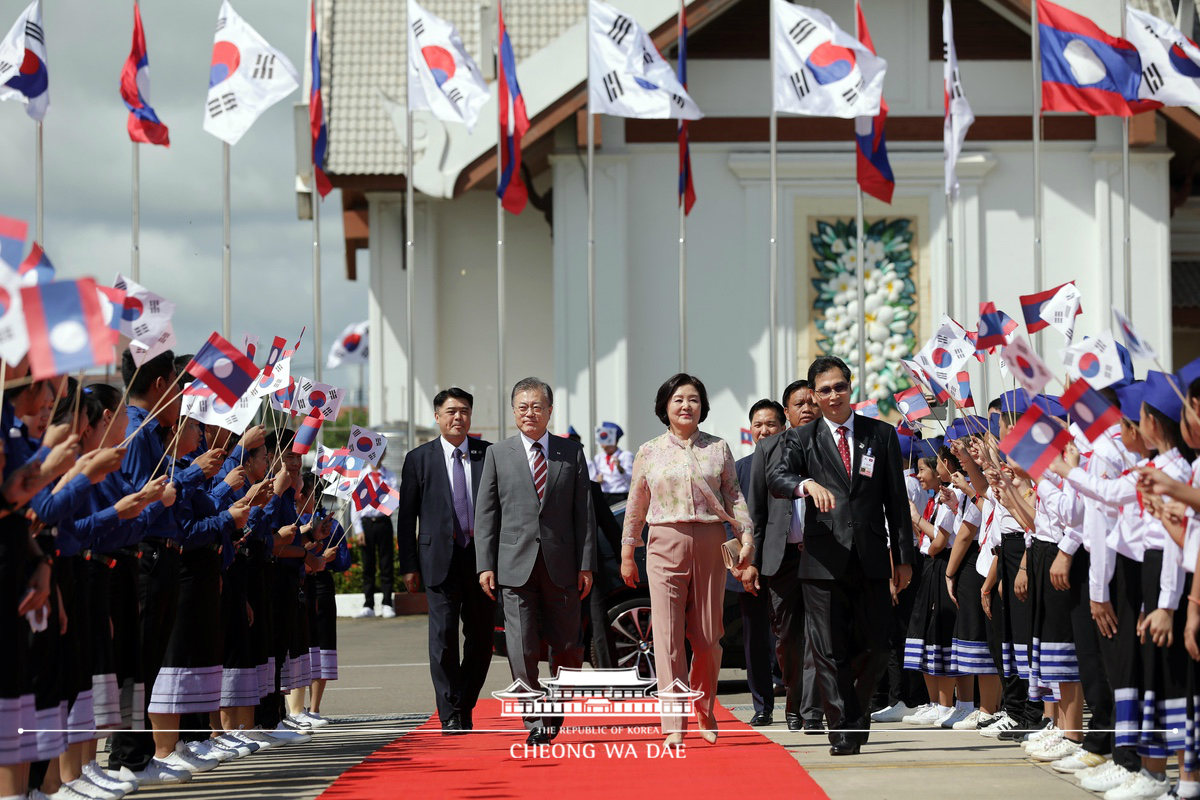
791,389
768,404
823,364
672,385
995,405
109,397
181,363
139,380
454,392
532,384
283,436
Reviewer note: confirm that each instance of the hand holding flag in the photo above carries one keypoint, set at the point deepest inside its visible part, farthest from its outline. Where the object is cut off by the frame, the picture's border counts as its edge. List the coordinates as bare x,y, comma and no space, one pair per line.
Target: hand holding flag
1035,441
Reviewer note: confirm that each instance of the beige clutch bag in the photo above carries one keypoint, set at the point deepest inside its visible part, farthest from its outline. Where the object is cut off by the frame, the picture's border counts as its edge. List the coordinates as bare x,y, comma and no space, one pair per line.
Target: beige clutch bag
730,550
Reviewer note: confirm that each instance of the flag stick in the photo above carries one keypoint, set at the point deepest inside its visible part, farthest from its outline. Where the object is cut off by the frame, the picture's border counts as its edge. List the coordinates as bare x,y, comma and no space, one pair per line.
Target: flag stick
1035,56
161,404
503,124
135,255
773,244
59,392
78,396
40,188
168,450
591,245
226,250
861,285
124,397
1126,200
950,277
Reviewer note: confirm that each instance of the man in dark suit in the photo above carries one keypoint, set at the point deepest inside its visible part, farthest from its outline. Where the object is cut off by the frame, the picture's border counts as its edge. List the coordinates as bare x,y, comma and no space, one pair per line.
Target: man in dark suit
438,485
536,536
857,541
779,539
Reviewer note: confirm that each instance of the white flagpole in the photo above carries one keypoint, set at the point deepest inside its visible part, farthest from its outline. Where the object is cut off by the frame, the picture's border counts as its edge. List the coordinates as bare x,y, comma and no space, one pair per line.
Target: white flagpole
319,342
1127,200
226,251
409,267
591,237
500,343
1035,55
135,254
861,283
682,241
40,187
772,356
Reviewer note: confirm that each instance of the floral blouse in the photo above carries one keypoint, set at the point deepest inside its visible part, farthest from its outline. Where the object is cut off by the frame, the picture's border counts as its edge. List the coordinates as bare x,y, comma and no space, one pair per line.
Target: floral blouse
662,492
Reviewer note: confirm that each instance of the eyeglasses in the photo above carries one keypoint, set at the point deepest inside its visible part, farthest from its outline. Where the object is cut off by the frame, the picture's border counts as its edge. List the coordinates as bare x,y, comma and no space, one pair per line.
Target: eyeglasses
534,409
829,391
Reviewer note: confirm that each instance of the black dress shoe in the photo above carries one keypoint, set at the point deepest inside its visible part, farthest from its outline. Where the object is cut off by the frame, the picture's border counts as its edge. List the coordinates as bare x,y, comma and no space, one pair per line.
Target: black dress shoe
845,746
761,720
793,722
537,736
468,723
452,724
813,727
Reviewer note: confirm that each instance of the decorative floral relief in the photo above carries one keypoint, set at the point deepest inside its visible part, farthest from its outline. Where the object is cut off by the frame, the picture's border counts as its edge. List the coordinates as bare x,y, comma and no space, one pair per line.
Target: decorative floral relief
890,304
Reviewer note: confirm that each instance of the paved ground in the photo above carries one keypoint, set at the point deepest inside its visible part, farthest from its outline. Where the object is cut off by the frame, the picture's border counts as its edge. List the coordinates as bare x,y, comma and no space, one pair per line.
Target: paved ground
385,689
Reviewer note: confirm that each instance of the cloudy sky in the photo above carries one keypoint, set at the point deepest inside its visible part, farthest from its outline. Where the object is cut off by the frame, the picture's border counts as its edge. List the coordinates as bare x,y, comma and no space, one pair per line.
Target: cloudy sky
88,180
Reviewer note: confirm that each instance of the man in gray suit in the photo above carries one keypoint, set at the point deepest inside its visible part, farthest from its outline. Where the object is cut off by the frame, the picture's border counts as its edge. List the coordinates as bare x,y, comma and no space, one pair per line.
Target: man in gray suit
535,537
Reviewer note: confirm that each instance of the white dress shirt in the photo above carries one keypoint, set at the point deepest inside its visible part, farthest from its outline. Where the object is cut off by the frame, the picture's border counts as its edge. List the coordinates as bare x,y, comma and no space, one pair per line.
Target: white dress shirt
448,453
833,429
613,480
528,443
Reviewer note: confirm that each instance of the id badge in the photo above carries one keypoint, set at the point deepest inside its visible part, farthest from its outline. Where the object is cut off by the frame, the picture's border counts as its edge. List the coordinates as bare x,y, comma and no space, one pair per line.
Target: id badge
867,467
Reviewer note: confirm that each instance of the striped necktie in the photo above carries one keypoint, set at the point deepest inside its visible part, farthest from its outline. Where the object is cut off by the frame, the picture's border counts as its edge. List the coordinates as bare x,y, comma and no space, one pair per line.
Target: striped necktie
537,461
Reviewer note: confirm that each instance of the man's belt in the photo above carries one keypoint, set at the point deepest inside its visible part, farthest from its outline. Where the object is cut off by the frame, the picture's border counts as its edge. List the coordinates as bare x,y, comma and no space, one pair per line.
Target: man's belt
170,544
99,558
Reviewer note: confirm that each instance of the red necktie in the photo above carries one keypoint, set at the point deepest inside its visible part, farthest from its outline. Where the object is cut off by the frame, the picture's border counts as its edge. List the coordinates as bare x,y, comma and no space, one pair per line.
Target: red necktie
539,470
844,447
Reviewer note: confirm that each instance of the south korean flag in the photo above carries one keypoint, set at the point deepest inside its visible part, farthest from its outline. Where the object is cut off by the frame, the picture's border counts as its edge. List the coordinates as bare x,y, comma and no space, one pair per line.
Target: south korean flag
247,76
1170,61
627,76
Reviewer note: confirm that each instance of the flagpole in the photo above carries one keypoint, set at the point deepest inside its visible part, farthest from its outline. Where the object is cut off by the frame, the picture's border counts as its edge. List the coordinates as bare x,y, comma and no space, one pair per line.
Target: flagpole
500,344
591,238
410,284
316,267
861,285
40,238
682,231
951,282
226,253
773,244
1035,55
135,256
1127,200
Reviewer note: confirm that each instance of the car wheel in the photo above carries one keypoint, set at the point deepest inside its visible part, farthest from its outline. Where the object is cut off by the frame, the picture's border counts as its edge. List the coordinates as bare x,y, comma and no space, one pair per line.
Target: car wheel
630,638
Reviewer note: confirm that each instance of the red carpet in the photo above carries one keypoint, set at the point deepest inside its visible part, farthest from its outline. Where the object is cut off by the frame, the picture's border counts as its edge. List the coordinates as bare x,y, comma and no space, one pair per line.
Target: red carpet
424,763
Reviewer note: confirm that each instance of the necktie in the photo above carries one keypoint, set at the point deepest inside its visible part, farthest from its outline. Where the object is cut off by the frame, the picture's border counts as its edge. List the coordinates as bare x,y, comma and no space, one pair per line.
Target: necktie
462,506
844,447
539,470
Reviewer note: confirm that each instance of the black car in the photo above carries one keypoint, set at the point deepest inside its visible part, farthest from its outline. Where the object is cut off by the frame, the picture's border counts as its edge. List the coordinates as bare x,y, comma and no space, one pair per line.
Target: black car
627,638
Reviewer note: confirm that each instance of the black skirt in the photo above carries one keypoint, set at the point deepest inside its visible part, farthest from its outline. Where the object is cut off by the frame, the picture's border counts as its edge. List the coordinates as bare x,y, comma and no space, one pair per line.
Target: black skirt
239,678
929,647
971,654
45,660
106,696
1125,674
1164,670
16,690
321,596
190,679
1052,658
260,586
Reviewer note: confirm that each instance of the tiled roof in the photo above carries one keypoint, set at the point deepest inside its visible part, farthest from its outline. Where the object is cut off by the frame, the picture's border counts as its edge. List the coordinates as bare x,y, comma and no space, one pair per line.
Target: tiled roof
1185,284
364,52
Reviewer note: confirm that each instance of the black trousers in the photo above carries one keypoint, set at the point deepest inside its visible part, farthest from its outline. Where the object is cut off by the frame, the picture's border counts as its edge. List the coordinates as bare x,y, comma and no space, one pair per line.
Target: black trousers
1014,622
379,548
898,685
795,658
458,601
158,592
846,623
756,640
1097,692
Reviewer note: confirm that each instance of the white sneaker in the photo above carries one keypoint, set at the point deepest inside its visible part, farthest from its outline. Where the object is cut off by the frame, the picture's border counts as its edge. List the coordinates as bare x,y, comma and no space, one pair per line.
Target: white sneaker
958,714
210,749
285,735
1000,723
69,792
159,772
182,758
1055,750
252,739
318,721
84,787
387,612
295,721
1108,776
93,773
923,715
1140,786
366,613
1081,761
231,742
1031,739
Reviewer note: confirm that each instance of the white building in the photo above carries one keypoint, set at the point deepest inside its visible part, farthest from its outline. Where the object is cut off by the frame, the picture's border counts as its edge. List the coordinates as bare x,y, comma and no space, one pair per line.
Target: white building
728,231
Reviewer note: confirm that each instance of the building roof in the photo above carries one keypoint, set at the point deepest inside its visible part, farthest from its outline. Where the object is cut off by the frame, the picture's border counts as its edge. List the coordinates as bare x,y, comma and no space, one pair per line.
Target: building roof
570,677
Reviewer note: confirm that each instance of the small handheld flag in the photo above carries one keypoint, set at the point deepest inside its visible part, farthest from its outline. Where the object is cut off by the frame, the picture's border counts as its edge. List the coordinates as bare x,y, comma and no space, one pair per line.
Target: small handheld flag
111,302
274,382
747,437
1025,365
66,328
867,408
277,346
223,368
912,404
995,327
366,444
1096,360
1061,309
960,390
162,341
387,499
365,495
36,268
1135,344
145,313
1035,441
1089,410
321,396
1031,308
12,240
310,427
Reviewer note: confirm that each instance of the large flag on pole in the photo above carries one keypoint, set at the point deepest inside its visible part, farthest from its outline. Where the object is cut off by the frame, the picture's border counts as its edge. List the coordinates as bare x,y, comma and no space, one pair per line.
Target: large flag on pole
874,171
351,346
442,76
1170,60
958,111
144,125
820,70
316,111
687,190
247,77
627,76
23,72
514,124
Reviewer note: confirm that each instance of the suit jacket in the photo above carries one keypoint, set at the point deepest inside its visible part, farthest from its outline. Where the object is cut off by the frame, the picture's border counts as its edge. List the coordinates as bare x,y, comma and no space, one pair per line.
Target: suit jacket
511,526
772,516
741,468
426,495
861,504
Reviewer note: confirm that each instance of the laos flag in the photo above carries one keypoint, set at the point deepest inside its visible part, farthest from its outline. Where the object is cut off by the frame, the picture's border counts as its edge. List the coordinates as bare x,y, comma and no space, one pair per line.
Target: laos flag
1085,69
514,124
994,327
1031,308
874,172
1035,441
310,426
1089,410
144,125
912,404
12,240
223,368
66,328
316,112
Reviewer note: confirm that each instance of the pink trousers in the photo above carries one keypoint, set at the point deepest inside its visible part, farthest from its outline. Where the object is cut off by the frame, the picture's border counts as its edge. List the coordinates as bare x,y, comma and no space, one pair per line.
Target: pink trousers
687,594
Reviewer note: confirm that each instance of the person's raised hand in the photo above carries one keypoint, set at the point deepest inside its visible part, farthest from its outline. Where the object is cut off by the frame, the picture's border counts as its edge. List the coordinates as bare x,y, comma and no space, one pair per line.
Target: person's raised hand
210,462
236,478
104,462
253,438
